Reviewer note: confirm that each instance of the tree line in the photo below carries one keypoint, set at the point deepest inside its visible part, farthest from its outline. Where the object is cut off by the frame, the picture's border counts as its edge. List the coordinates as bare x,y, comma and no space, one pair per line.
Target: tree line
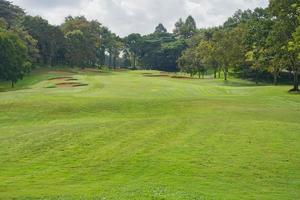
27,42
252,44
256,44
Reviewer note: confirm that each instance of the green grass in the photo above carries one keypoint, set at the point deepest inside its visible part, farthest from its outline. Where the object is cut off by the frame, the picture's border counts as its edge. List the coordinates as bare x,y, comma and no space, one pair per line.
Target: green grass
130,137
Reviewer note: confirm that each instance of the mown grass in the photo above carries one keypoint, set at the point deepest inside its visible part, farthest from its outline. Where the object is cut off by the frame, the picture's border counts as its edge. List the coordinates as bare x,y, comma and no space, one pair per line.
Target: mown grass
128,136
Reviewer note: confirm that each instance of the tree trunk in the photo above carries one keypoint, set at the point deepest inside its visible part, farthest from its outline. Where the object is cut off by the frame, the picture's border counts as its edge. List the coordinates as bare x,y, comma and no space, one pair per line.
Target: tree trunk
12,84
115,62
134,62
275,78
225,73
256,77
102,57
291,74
110,59
51,61
296,81
215,74
296,76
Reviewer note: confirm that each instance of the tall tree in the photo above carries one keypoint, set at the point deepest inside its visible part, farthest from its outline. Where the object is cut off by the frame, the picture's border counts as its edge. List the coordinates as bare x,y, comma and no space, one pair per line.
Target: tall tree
258,44
91,41
190,27
117,48
239,17
286,13
186,62
50,39
13,57
206,50
160,51
294,49
185,29
178,30
230,51
160,28
105,41
75,52
132,44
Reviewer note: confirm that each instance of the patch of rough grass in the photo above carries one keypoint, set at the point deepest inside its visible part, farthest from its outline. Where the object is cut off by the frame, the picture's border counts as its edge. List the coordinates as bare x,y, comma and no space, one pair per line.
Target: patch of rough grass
60,78
51,86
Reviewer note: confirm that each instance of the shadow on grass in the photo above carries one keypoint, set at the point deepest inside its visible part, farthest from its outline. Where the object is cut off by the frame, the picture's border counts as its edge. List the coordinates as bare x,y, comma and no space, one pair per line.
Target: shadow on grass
232,83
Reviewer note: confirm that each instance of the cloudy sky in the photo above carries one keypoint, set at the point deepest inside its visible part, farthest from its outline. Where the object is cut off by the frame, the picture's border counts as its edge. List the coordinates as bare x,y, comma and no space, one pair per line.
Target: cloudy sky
139,16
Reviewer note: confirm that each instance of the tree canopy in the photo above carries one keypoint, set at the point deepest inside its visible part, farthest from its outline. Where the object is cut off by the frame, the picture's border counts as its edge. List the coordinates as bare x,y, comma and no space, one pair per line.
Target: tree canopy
12,57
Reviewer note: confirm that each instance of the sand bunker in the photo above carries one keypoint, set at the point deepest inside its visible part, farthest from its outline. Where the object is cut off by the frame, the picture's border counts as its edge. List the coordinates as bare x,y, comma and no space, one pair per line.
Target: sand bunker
65,82
156,75
70,84
182,77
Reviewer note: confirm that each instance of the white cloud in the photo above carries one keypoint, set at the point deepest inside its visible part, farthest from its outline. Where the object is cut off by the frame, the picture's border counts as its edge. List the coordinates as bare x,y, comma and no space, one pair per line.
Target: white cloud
141,16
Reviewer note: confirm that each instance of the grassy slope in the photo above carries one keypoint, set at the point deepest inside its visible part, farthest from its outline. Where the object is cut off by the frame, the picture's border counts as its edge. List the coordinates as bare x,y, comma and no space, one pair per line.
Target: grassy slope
126,136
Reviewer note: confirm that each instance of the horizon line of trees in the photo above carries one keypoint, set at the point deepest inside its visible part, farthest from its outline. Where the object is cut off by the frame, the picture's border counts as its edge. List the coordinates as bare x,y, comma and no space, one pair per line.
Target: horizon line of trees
27,42
256,44
252,44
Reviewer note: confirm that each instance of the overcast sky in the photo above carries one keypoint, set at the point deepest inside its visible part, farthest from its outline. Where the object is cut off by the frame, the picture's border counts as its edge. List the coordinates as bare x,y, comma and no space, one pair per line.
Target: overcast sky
139,16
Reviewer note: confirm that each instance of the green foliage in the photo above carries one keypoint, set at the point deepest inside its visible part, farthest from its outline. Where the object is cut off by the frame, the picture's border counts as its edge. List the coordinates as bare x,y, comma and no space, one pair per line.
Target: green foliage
189,27
76,50
251,42
178,30
199,57
159,51
51,42
86,35
185,29
31,45
207,52
12,14
114,49
187,62
294,44
238,18
286,13
160,29
3,23
229,48
13,56
132,45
